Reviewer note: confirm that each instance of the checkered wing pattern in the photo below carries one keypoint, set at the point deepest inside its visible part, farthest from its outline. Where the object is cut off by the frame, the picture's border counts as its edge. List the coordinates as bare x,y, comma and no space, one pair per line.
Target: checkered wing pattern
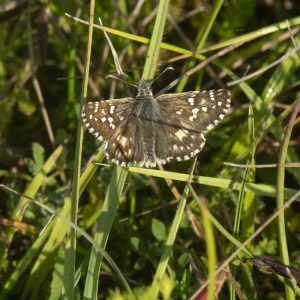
114,122
148,130
184,120
106,119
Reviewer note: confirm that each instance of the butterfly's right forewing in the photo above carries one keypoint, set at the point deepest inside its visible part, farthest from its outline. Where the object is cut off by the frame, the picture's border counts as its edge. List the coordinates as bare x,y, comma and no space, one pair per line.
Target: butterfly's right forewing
114,122
184,120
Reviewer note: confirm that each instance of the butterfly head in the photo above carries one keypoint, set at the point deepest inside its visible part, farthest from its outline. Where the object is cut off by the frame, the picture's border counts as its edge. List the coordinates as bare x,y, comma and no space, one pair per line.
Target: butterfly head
144,89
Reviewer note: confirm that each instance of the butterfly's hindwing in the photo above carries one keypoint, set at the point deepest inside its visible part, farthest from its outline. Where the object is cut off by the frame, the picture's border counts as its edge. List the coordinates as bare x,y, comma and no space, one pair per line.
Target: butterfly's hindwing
179,143
124,146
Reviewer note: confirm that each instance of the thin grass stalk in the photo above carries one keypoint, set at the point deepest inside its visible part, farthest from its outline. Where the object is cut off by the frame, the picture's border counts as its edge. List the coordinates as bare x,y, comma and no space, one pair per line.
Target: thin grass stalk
242,194
284,252
202,40
71,79
254,34
210,244
257,188
69,265
106,218
36,84
155,42
142,39
167,251
227,235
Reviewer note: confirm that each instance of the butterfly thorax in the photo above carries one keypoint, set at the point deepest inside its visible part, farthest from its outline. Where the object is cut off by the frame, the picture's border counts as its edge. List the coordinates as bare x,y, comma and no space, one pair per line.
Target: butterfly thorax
147,108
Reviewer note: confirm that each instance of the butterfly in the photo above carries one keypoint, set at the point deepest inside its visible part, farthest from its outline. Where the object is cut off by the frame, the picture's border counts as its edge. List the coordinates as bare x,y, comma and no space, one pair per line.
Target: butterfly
148,130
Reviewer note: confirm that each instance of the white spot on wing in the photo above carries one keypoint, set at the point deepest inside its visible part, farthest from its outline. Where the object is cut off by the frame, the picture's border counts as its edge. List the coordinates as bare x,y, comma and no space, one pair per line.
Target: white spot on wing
123,140
191,101
175,147
180,134
111,109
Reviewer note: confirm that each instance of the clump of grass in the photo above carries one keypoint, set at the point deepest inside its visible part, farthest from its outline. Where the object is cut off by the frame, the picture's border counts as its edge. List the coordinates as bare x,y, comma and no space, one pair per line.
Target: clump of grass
141,233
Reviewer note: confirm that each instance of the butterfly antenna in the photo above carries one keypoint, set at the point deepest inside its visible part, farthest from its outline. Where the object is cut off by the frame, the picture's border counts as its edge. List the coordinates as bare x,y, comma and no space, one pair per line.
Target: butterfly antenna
161,73
120,79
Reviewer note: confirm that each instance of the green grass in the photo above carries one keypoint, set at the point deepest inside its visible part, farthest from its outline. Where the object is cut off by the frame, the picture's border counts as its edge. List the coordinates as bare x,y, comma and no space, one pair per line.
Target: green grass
109,232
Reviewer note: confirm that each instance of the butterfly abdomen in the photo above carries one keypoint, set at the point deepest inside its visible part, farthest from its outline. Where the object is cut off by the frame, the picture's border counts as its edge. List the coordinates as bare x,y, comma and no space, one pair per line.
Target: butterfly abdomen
147,112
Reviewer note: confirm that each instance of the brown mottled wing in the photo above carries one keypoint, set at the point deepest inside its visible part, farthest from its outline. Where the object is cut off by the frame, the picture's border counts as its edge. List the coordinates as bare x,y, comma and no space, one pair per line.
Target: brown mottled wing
114,122
125,146
184,120
103,119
